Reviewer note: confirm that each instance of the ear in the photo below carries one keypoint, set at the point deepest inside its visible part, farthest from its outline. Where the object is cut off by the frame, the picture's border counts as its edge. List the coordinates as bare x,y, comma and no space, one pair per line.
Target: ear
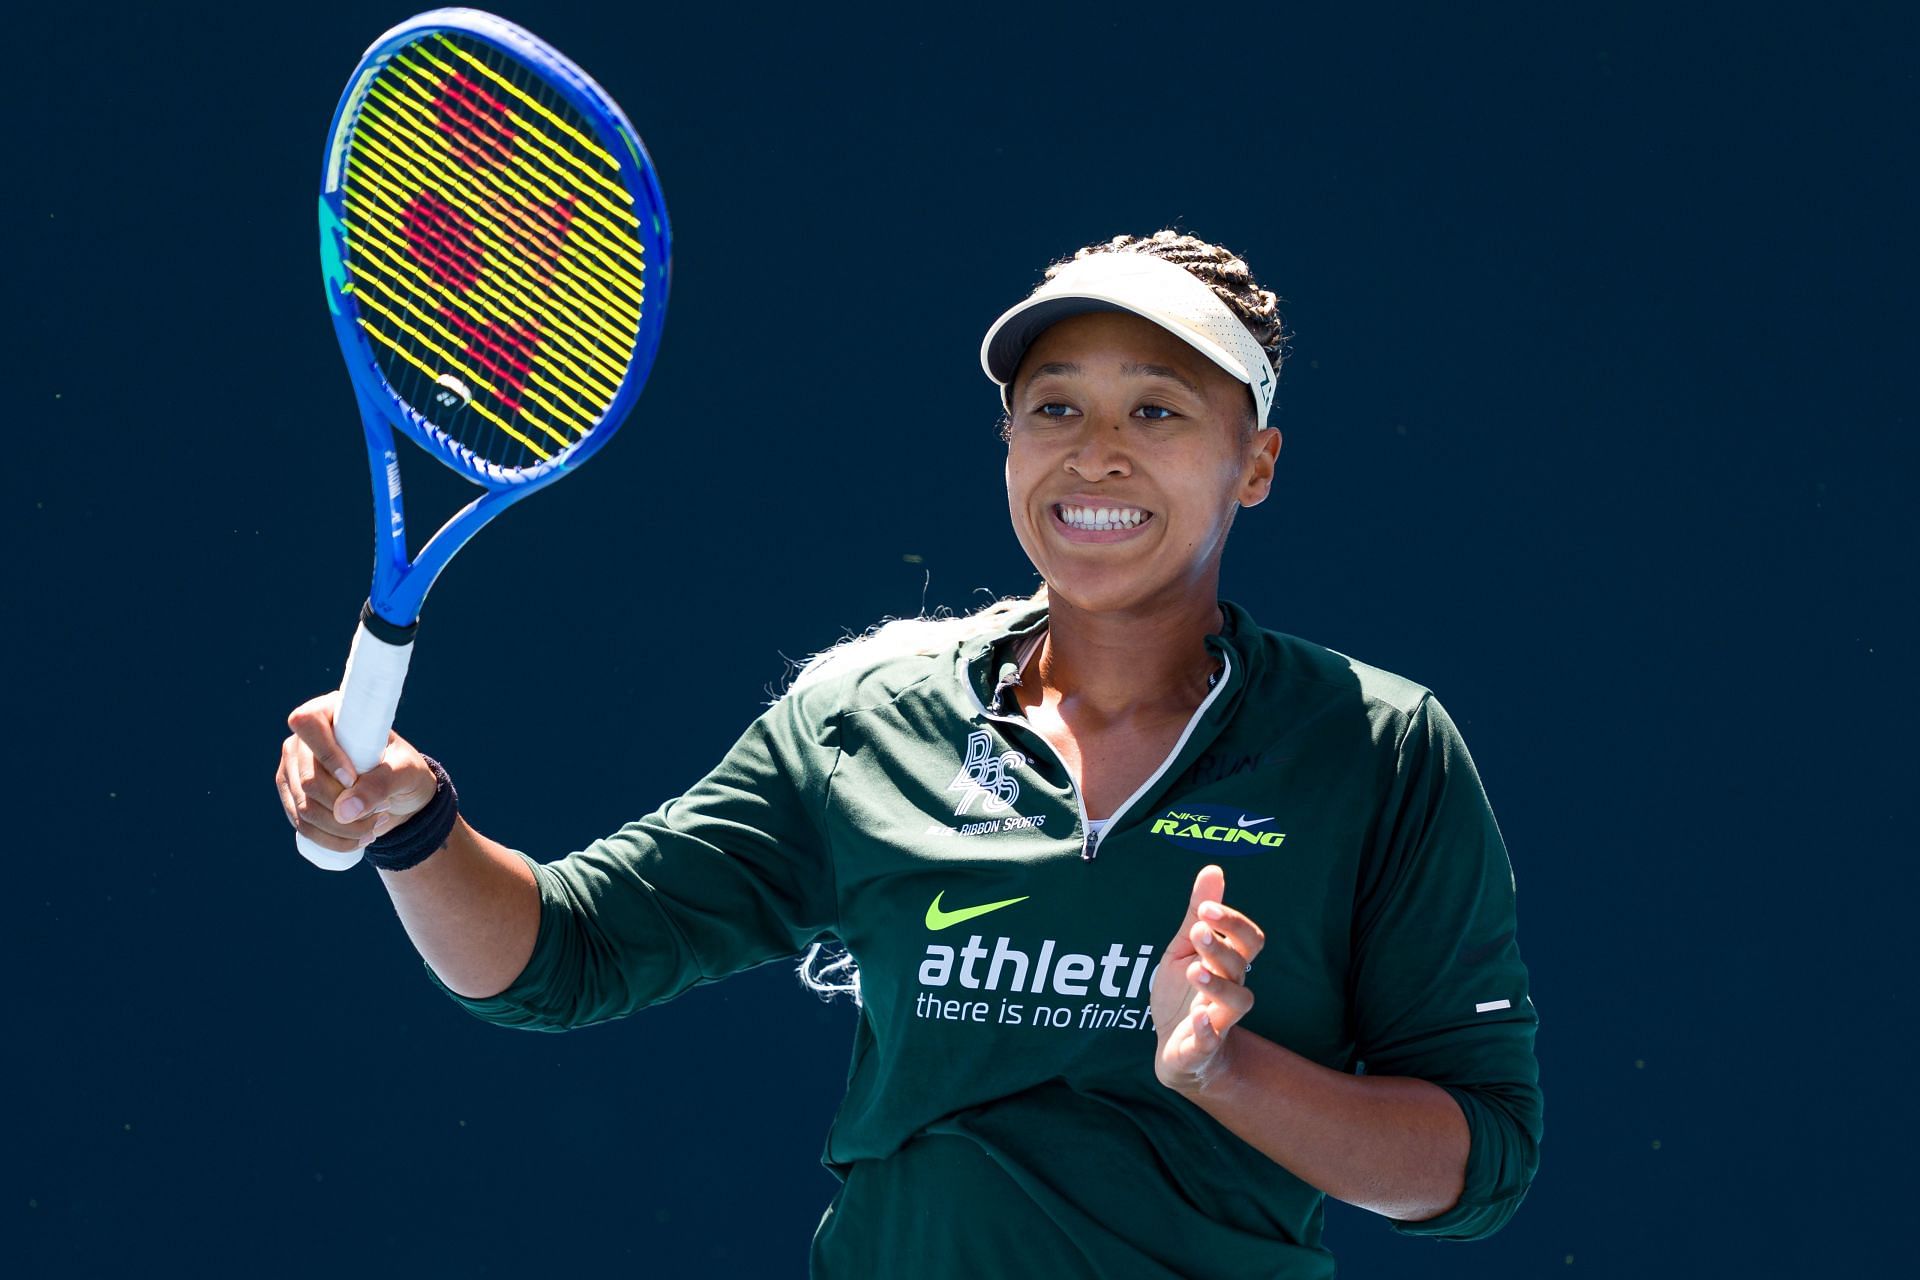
1263,452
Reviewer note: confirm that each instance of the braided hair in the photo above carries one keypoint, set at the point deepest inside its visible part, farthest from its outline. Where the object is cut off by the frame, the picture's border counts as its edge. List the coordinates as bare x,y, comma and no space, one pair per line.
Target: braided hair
1220,269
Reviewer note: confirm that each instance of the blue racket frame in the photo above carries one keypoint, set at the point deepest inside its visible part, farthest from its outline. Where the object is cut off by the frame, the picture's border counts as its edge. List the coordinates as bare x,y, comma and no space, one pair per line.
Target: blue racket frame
400,585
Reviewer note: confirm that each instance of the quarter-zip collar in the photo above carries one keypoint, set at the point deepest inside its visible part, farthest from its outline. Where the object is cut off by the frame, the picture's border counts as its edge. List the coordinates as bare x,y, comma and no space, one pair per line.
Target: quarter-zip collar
989,666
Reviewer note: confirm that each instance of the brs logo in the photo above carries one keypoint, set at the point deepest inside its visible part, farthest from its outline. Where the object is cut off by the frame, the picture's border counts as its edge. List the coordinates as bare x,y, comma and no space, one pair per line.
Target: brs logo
1229,832
985,777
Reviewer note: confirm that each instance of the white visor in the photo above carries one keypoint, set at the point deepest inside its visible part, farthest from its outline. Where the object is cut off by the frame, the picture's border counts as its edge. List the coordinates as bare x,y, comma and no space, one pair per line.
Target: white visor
1149,287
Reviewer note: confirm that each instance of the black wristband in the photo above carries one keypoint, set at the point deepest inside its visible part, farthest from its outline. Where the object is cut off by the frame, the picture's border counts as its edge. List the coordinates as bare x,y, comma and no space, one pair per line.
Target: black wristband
425,833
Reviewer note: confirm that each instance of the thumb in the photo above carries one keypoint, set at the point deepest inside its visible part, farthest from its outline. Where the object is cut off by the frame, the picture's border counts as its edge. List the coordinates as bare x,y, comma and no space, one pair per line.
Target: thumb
401,784
1209,886
312,723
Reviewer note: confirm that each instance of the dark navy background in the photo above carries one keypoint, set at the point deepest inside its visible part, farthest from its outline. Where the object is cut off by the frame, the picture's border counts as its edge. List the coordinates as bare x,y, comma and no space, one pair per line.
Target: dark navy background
1598,423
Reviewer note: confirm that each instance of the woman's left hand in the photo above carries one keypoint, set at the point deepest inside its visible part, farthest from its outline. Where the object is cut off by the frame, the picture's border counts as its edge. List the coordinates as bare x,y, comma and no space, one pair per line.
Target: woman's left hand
1200,991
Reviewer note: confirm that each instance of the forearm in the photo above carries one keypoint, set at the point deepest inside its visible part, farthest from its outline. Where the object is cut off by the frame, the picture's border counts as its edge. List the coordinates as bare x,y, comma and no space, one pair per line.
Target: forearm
1392,1144
472,911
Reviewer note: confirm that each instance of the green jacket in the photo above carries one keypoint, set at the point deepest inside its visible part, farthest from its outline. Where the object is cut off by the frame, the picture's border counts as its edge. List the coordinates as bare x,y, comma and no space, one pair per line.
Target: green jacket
1002,1116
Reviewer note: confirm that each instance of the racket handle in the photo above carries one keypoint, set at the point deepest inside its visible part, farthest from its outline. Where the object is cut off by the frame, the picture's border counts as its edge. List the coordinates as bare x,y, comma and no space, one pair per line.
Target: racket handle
369,698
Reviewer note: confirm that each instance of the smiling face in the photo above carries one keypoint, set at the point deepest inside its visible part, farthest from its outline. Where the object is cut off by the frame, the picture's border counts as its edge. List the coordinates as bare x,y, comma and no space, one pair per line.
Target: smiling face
1128,453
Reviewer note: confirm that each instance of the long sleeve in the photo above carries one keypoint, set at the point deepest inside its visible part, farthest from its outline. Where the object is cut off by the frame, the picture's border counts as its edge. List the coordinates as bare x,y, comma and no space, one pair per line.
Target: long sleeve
1439,989
734,873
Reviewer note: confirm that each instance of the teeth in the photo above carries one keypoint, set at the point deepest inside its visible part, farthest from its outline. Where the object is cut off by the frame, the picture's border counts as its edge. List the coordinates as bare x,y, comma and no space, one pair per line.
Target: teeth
1101,518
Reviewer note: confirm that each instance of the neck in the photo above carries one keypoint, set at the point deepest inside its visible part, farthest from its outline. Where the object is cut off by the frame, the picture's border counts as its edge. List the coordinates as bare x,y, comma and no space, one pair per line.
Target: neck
1116,666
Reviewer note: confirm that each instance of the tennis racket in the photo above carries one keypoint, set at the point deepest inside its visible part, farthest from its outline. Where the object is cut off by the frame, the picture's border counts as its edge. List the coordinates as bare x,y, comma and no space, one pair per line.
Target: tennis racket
495,251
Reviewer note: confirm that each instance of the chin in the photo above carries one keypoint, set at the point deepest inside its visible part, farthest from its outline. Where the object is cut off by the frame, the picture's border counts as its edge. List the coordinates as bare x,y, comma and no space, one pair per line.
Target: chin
1088,593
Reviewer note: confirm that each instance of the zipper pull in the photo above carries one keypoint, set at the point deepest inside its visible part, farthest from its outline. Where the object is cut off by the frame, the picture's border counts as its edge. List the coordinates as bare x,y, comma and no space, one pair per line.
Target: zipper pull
1089,847
1009,677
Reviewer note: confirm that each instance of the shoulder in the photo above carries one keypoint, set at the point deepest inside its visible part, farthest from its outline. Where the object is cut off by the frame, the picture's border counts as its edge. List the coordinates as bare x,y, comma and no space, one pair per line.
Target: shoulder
1296,680
875,668
1283,659
900,656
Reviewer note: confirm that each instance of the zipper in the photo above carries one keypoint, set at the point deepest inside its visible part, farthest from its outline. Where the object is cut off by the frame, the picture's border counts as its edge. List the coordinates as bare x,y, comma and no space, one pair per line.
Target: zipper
1090,849
1090,842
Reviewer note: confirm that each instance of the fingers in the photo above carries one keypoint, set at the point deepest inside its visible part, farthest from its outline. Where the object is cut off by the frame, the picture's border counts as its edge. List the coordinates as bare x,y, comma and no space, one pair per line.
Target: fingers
1223,937
1192,1049
1218,1003
312,723
308,801
308,797
1223,942
1218,941
302,785
289,798
1214,947
1210,1029
396,788
1226,940
330,803
312,778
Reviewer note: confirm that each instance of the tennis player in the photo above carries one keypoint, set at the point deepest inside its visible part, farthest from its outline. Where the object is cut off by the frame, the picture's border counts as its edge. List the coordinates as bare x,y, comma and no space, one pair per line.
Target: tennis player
1163,926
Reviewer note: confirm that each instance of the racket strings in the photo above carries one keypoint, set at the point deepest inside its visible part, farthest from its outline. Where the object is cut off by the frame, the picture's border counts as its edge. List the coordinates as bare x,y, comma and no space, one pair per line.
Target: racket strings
455,263
584,383
540,214
398,255
492,251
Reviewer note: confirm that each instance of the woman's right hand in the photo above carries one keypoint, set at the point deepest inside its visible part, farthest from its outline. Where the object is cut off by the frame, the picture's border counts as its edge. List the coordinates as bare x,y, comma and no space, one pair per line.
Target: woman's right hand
327,801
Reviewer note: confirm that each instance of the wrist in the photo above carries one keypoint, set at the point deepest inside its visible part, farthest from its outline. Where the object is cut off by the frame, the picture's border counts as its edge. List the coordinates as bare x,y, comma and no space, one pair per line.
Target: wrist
1214,1078
1221,1073
423,834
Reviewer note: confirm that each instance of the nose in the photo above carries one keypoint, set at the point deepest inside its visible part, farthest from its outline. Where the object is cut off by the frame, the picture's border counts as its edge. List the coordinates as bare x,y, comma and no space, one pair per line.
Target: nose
1098,454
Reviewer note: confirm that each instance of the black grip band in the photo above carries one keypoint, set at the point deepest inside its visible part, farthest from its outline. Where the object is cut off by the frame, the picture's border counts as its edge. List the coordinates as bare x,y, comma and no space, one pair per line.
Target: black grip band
381,629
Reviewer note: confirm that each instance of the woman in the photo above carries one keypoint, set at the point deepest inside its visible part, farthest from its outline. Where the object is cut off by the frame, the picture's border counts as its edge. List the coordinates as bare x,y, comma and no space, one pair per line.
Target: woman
1017,823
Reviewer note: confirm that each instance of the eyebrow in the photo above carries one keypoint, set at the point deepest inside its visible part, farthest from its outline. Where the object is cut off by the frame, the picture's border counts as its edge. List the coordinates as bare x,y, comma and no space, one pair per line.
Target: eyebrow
1160,371
1070,370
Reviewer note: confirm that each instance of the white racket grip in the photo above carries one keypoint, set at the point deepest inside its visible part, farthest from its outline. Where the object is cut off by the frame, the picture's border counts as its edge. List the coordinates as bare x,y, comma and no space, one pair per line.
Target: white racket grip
369,698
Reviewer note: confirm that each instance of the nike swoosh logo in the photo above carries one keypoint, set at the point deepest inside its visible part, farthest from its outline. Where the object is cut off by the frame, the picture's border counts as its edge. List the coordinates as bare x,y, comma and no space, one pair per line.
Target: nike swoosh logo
1245,821
938,919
